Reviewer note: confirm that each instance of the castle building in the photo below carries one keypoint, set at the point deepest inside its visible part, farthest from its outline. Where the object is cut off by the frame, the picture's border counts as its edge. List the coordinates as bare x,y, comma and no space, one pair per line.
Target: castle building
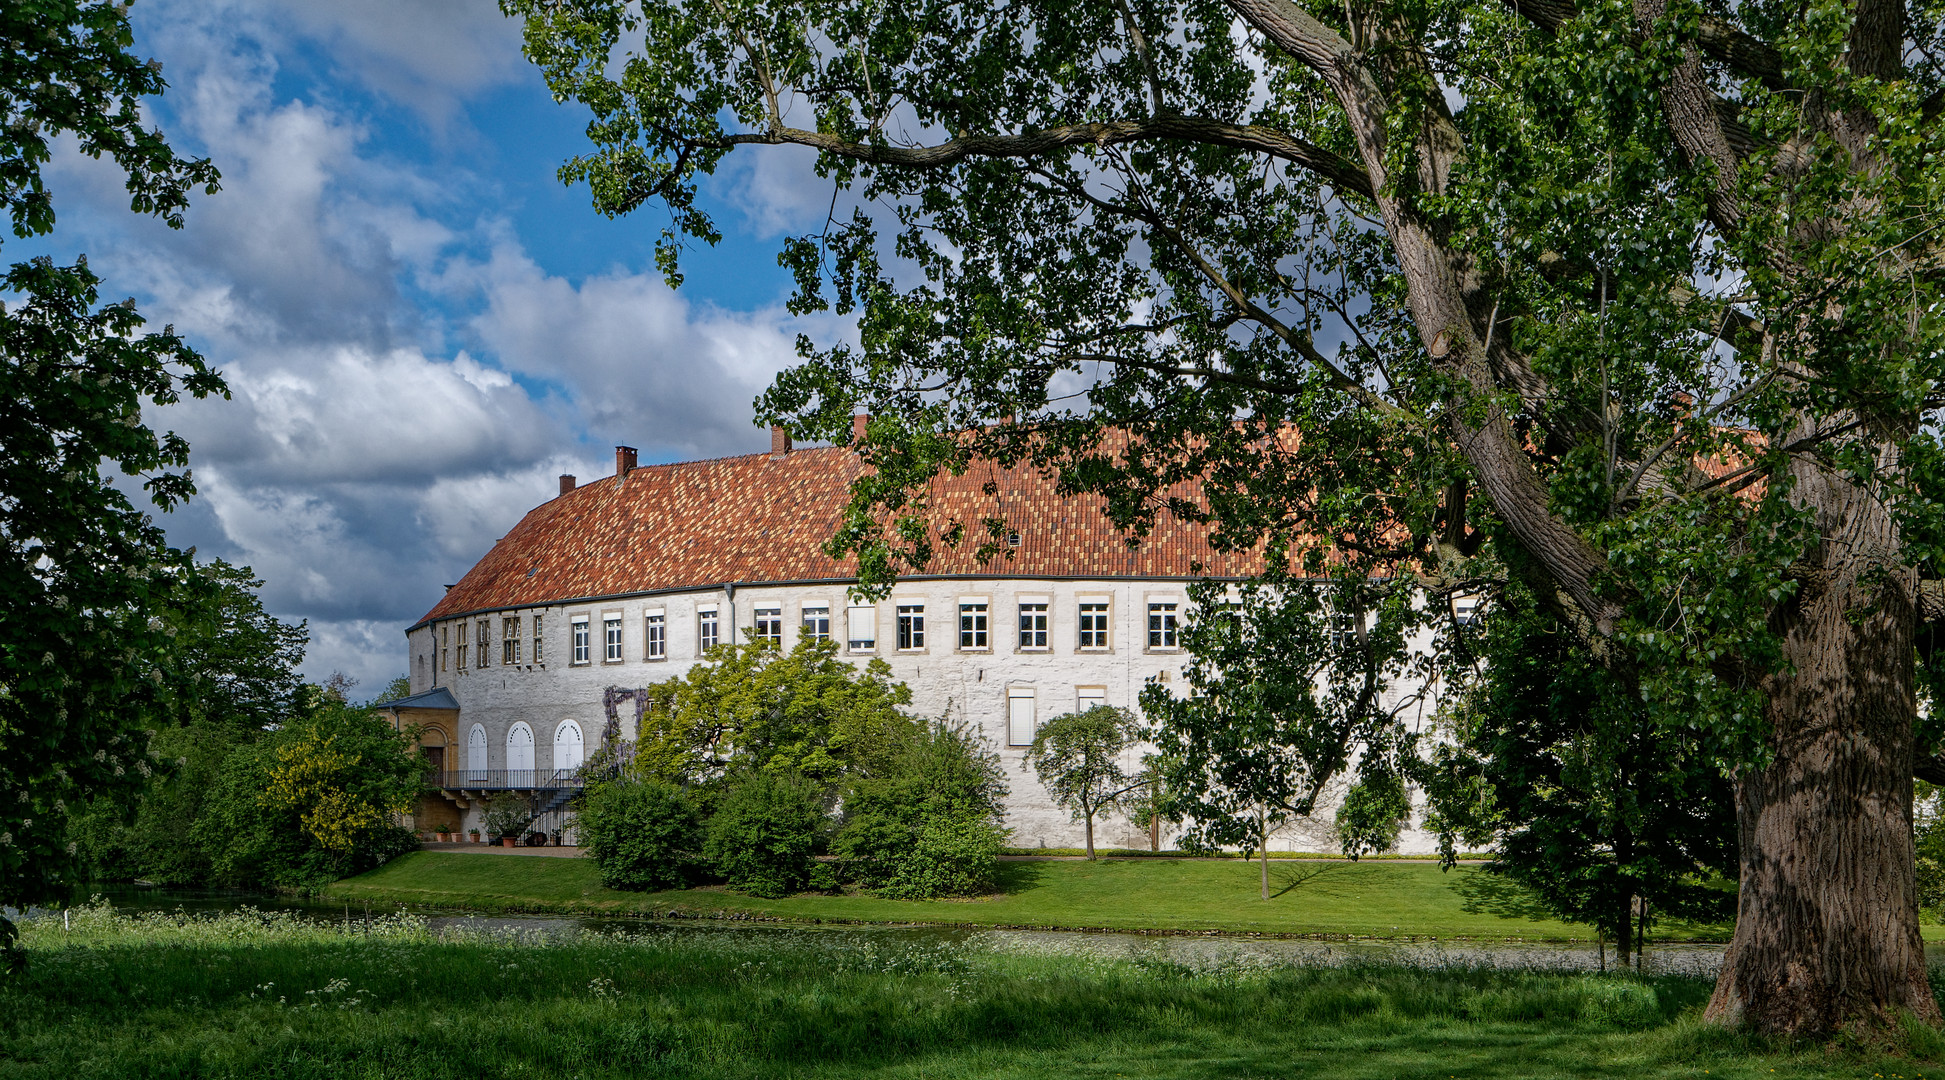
629,580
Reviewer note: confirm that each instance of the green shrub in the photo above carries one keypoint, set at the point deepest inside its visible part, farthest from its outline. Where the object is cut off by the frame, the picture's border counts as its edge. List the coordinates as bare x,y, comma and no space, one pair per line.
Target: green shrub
955,855
930,826
763,835
643,834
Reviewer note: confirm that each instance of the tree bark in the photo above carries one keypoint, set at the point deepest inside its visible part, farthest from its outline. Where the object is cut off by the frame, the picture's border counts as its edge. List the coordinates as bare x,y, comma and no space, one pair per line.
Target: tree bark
1090,835
1827,920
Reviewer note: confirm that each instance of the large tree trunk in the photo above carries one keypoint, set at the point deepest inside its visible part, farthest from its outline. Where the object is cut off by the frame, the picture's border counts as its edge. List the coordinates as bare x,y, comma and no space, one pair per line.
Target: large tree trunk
1827,921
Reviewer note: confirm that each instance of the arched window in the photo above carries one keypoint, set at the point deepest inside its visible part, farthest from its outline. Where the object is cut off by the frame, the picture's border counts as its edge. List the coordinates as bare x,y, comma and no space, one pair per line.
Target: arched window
520,755
476,753
569,751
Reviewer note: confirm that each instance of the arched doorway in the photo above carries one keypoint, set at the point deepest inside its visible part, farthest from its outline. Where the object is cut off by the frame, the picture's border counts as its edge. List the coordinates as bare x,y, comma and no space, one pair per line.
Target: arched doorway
520,755
476,753
569,750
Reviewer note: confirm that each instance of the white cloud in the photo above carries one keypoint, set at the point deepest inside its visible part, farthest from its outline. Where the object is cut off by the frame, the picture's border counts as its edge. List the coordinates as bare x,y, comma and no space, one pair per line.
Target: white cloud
364,459
641,363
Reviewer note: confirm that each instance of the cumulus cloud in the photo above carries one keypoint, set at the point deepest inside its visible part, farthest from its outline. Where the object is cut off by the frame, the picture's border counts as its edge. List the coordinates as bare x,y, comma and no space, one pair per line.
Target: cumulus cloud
406,379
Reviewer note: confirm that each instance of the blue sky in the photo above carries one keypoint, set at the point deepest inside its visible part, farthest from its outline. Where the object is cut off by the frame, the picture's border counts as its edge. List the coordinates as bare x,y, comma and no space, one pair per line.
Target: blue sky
420,325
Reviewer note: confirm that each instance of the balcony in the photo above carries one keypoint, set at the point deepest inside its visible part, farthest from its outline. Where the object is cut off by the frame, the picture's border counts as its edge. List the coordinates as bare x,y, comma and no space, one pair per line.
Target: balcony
506,779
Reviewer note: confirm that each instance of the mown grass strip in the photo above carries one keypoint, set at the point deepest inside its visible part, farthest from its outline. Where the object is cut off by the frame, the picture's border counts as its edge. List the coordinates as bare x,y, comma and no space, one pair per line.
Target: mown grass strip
1363,900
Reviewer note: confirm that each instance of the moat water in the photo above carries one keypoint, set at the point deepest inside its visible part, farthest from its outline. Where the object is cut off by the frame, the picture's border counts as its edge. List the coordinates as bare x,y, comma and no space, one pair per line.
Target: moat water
1193,950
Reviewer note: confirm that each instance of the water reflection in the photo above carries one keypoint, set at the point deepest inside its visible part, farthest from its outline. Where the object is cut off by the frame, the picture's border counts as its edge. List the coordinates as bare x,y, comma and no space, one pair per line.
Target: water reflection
1196,951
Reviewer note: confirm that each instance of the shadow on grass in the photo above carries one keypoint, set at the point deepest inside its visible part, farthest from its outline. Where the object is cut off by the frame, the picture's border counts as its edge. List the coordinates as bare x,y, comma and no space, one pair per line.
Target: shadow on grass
1486,893
1322,877
1013,878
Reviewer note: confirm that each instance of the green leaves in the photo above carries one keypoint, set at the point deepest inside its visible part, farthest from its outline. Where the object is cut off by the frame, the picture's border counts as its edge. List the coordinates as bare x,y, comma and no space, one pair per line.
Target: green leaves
65,69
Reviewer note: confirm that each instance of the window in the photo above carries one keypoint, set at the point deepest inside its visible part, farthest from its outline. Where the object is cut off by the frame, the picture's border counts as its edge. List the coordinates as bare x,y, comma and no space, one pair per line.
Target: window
1345,628
972,624
459,652
1019,715
445,645
536,639
480,632
611,638
1161,626
769,623
1088,697
655,636
1466,610
581,639
707,627
1094,624
817,623
510,640
861,628
1033,625
911,627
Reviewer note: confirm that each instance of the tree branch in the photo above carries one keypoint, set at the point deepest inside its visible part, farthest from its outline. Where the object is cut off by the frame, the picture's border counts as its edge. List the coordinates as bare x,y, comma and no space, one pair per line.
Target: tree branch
1340,173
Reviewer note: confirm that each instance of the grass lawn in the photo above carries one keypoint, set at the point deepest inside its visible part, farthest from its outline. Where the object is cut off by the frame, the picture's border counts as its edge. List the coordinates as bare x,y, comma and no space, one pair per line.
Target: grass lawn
270,998
1375,899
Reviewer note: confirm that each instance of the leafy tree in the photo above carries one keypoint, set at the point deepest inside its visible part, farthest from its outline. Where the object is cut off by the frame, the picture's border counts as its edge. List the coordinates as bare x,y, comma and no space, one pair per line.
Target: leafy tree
1078,759
1290,683
930,825
1606,816
506,814
763,834
233,676
643,834
234,663
312,802
806,713
84,575
1640,299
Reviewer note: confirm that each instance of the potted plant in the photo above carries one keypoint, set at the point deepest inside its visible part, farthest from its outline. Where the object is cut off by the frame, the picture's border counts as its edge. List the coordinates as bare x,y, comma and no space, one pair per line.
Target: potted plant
445,835
507,815
474,833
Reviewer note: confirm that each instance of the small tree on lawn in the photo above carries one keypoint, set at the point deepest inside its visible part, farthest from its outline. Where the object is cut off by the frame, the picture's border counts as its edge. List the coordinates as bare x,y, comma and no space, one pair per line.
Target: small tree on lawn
1288,683
1078,760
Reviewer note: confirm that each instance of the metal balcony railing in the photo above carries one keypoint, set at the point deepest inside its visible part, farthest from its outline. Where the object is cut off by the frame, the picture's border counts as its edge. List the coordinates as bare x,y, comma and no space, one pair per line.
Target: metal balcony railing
507,779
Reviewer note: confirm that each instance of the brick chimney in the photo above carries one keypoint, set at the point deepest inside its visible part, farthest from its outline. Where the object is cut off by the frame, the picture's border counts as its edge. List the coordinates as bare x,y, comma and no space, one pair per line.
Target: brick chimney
624,460
779,442
567,483
858,423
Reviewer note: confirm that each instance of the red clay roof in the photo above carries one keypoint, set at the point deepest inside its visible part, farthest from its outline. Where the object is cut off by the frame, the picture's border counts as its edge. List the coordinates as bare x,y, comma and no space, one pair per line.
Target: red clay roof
752,519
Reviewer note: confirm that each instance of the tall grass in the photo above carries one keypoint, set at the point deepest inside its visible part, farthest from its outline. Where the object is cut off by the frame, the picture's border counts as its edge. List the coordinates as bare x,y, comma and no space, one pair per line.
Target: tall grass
257,994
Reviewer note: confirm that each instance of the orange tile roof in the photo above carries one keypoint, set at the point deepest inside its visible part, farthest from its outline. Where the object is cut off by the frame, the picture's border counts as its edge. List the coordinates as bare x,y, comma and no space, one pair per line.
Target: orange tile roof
754,519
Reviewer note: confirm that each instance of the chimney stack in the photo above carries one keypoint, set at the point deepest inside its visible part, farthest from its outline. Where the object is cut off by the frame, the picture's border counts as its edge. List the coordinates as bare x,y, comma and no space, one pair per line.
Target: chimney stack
624,461
858,423
567,483
779,442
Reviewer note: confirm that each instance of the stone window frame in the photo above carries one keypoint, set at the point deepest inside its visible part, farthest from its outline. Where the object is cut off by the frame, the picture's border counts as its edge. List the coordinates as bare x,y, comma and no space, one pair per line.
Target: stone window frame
614,636
960,631
805,607
1082,697
482,637
871,618
902,610
510,642
655,632
1044,605
1084,600
714,623
1148,608
774,608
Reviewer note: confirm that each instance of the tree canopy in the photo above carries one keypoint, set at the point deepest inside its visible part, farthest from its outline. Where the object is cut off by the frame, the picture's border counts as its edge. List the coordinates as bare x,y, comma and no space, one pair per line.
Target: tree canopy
1638,302
87,582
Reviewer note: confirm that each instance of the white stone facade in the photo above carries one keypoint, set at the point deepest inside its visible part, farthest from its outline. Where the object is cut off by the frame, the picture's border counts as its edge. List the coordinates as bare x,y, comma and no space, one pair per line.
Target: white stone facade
995,688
